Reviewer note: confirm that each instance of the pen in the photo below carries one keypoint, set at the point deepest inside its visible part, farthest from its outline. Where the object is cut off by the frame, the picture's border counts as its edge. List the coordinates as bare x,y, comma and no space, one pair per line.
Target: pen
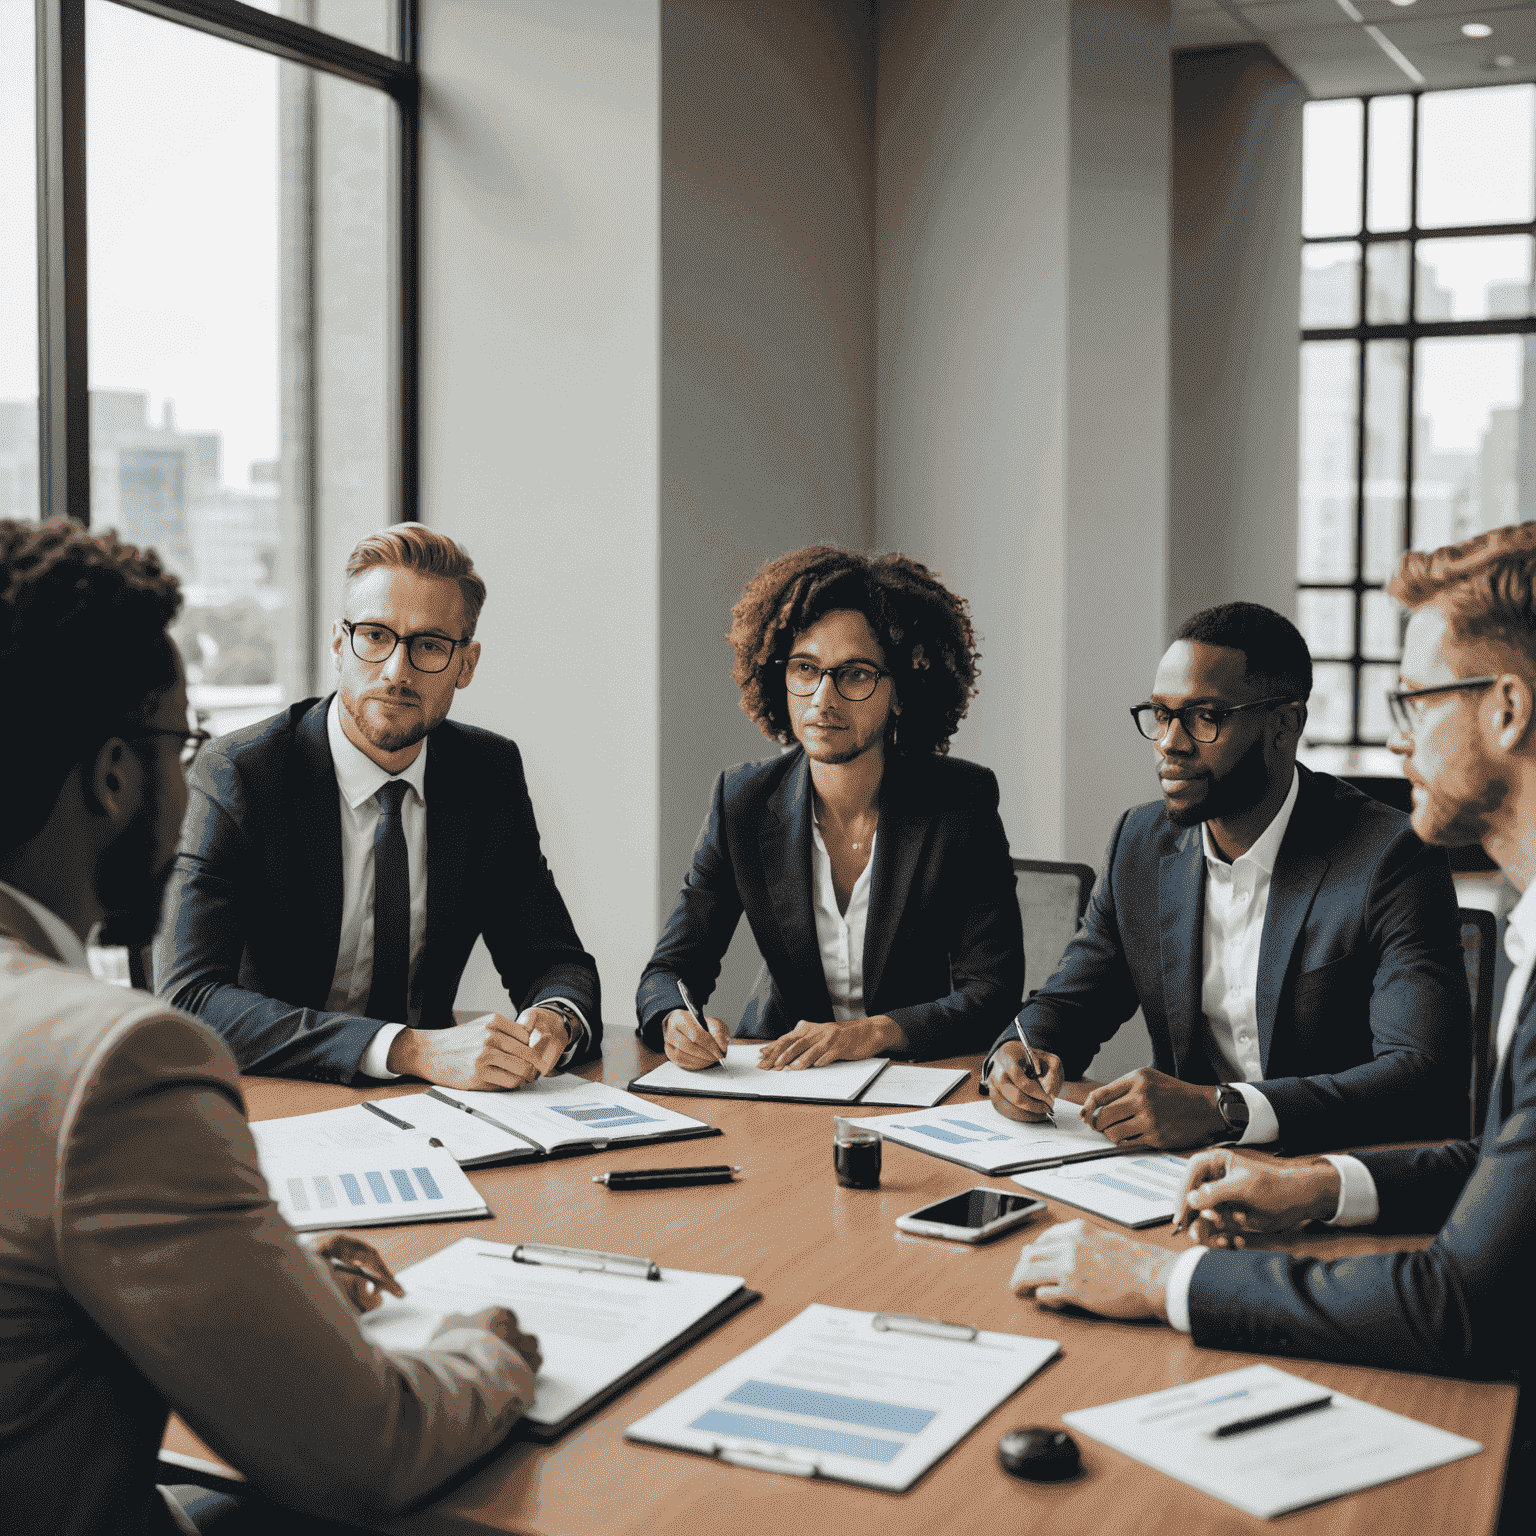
1259,1420
356,1269
697,1012
1031,1066
384,1114
668,1178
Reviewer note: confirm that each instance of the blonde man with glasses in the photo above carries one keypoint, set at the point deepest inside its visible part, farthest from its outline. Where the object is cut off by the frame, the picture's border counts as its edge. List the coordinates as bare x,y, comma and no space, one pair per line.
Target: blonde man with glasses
340,860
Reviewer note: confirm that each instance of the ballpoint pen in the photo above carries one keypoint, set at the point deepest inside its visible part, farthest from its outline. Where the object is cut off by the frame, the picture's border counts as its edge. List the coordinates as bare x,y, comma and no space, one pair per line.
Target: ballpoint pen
696,1012
1276,1416
405,1125
355,1269
1031,1066
668,1178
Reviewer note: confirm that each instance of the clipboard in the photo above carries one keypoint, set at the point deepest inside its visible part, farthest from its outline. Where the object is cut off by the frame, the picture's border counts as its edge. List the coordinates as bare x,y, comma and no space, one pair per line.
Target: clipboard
909,1389
545,1282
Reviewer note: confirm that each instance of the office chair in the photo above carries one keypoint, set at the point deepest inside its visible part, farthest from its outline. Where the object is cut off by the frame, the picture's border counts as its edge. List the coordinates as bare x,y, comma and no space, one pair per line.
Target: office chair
1478,935
1052,900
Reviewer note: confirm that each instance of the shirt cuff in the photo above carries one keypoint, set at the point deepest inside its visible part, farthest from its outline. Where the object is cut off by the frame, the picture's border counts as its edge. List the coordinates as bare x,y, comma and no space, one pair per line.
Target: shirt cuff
1263,1123
376,1057
1176,1296
579,1037
1359,1204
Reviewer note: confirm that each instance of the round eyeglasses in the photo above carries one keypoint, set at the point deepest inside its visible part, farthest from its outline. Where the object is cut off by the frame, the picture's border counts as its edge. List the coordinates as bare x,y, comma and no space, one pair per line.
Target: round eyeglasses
376,643
854,680
1201,722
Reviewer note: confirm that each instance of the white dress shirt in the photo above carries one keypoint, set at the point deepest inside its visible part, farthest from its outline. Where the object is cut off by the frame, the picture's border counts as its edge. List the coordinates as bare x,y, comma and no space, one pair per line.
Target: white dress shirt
1359,1205
63,938
840,935
358,781
1236,901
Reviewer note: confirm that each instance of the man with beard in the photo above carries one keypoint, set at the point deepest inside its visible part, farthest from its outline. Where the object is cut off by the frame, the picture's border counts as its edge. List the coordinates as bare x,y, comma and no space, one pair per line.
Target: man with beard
143,1267
1293,946
340,860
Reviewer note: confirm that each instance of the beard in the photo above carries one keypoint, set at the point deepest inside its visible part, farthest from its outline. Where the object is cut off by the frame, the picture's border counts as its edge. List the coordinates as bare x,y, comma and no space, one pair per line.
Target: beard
1457,820
1239,789
386,738
130,887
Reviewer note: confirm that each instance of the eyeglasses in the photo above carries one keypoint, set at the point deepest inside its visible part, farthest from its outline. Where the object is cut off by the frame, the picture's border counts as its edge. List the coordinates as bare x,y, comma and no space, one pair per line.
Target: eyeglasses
1201,722
854,680
377,642
192,741
1397,698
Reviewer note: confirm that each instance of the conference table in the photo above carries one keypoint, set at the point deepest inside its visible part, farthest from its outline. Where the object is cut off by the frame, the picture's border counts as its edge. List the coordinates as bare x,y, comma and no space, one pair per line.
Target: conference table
797,1237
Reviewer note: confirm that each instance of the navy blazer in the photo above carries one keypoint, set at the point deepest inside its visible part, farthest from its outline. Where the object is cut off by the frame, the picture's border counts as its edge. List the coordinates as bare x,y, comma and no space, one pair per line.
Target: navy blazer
1460,1307
254,906
943,943
1362,1008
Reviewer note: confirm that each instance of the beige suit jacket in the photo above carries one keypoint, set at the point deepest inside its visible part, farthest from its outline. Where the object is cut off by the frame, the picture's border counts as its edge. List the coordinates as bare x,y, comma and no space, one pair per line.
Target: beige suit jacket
144,1268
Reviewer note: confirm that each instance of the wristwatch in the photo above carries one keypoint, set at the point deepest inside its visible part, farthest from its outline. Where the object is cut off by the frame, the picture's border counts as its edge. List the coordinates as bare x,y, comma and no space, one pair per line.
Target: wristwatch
1234,1110
566,1012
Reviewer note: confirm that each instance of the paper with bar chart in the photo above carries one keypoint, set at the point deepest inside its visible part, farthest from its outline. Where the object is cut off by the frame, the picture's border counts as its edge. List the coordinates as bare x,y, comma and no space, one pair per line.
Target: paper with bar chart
830,1395
596,1331
1135,1191
976,1136
402,1179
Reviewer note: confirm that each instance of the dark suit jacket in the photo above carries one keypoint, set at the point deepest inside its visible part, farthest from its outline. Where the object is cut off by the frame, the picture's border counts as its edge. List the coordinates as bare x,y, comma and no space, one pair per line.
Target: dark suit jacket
1461,1307
253,913
943,944
1363,1012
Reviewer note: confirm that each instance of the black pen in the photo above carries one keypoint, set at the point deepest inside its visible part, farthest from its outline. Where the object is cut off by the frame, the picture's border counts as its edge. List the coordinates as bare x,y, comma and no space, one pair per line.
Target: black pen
668,1178
698,1016
1259,1420
405,1125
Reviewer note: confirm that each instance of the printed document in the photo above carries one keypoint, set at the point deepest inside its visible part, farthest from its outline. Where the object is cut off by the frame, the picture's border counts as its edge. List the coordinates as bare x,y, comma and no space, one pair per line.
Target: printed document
740,1077
1135,1191
593,1329
1278,1467
976,1136
831,1395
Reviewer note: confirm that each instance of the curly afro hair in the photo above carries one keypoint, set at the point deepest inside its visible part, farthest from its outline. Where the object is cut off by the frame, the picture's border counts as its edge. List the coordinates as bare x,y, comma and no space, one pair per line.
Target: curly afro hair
82,638
924,629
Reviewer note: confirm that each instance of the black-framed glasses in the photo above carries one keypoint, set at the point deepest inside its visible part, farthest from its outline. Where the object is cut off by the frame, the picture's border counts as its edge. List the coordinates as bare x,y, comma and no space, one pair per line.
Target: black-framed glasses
377,642
1201,722
192,741
1398,698
854,680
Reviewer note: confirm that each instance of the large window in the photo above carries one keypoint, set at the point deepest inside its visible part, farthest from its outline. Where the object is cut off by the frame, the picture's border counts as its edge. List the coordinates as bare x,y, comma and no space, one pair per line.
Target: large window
222,317
1418,363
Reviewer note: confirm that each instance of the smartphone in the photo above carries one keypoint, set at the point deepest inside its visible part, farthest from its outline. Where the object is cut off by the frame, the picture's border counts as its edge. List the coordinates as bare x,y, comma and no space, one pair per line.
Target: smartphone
977,1216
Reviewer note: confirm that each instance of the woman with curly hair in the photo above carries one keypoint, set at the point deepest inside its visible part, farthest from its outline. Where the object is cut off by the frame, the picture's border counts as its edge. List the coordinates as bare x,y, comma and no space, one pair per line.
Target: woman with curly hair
872,867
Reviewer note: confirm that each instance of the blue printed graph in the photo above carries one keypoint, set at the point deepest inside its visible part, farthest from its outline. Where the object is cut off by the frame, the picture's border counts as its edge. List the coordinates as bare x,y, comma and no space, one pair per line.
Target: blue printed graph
319,1191
603,1117
958,1133
801,1436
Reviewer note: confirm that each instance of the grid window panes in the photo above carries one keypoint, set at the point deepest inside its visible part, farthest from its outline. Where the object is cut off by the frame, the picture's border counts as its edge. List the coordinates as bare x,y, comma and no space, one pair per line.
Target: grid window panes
239,311
1418,363
18,264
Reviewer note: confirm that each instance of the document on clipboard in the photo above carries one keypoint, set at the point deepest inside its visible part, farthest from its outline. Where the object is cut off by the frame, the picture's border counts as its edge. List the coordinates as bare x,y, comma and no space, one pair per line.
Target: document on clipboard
603,1320
873,1398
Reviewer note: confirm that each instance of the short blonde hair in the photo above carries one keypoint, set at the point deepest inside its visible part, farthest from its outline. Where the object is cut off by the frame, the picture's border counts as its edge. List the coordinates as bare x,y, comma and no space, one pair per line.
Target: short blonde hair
1488,583
415,547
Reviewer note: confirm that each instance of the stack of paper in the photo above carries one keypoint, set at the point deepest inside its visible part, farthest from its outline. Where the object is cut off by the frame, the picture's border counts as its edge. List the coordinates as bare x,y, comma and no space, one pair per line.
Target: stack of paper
876,1080
1271,1468
1135,1191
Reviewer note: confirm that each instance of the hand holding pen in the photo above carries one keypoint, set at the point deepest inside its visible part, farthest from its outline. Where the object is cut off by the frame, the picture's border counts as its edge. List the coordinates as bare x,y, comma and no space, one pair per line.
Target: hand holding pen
359,1271
691,1040
1013,1071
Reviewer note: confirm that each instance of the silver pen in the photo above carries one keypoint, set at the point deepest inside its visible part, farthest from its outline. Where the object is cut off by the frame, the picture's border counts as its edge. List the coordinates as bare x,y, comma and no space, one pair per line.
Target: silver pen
1032,1067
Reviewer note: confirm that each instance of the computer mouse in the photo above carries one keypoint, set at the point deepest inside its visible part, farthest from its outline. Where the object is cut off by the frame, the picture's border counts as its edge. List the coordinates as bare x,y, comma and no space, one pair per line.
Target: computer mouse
1039,1454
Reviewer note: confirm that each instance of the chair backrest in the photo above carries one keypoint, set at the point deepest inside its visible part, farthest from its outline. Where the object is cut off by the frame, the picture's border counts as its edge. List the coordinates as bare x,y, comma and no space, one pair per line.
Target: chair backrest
1052,900
1478,931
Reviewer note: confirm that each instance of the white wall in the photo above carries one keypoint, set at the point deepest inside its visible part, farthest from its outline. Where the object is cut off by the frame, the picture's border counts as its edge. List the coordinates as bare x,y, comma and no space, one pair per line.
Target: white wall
539,421
767,357
1236,299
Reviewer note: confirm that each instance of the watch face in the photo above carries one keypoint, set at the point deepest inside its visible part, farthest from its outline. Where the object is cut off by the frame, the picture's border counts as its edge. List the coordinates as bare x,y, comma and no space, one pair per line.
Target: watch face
1233,1107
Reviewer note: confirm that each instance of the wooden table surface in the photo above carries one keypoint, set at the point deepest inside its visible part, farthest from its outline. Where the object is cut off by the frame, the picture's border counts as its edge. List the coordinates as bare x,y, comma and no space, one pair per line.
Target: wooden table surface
797,1237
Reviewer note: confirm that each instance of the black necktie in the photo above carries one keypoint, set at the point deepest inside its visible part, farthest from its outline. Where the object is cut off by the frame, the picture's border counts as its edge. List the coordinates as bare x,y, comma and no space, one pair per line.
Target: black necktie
391,909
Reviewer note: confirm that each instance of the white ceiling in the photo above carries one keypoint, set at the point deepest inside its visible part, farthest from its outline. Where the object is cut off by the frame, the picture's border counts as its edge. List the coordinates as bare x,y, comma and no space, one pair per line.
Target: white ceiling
1346,47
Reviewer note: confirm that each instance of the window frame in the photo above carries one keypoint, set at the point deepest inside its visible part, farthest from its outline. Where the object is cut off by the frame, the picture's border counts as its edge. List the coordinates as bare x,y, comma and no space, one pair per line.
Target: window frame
64,448
1411,331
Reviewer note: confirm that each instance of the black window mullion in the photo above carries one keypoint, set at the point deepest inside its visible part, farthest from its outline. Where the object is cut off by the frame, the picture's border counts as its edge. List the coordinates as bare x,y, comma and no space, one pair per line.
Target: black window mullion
1360,432
63,416
407,353
1409,448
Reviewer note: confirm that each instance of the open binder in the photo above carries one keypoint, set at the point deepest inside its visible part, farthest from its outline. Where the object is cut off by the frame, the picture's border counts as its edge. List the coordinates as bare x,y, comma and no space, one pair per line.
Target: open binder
603,1320
874,1080
906,1391
976,1136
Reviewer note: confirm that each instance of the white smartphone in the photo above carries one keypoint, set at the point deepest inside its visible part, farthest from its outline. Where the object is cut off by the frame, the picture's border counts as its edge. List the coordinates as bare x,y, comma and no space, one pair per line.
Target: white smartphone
977,1216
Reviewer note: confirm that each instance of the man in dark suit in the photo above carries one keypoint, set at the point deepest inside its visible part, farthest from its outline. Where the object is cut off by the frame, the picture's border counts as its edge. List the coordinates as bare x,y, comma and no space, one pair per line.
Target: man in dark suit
1465,719
339,861
1293,946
